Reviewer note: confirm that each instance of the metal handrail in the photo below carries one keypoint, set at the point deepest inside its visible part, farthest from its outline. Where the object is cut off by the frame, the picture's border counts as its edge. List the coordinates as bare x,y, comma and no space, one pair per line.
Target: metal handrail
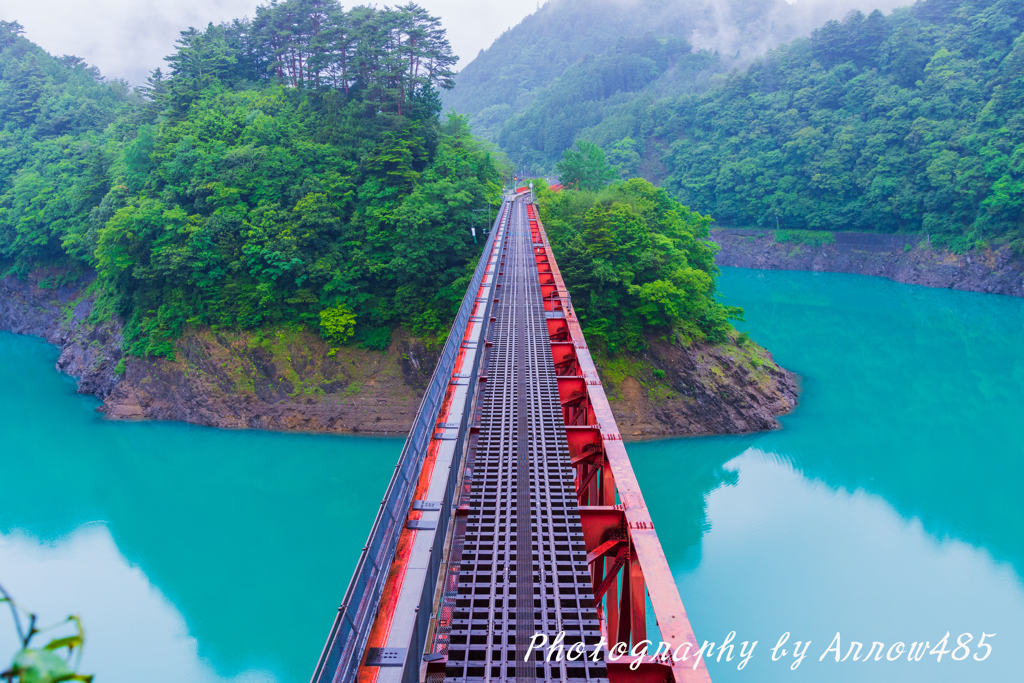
342,652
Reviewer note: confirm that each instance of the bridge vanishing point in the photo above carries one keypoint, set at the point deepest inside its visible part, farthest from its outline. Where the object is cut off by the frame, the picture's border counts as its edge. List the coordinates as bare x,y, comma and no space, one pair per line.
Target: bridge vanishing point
513,510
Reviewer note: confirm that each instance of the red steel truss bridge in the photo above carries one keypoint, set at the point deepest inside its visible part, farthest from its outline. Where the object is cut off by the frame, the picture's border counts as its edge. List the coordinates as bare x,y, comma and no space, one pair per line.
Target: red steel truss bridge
513,509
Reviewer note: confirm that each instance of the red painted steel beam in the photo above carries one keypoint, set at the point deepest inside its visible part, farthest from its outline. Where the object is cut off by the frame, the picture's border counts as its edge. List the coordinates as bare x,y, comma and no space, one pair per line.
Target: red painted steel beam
605,548
647,672
602,523
598,448
558,330
571,389
584,442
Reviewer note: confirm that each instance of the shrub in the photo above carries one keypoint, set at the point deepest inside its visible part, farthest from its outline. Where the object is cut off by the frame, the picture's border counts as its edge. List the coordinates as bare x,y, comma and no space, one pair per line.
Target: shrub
337,324
636,262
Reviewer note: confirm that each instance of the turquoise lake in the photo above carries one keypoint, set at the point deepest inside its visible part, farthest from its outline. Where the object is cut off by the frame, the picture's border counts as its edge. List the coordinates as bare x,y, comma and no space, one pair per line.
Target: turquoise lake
889,508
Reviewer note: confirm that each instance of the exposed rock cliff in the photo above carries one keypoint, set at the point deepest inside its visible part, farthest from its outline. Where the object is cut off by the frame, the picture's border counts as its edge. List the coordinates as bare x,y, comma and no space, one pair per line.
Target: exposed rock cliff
286,379
60,313
903,258
730,388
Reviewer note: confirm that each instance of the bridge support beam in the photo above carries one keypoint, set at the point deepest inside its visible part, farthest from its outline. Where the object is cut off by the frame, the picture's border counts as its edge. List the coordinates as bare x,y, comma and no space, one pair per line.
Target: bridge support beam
623,551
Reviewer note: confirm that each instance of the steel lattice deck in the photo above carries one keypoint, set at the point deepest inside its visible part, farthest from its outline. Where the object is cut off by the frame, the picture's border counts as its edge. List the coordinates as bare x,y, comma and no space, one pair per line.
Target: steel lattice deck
519,565
514,509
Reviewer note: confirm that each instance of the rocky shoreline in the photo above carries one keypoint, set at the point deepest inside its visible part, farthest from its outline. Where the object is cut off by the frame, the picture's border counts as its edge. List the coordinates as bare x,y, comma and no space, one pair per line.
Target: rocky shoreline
233,380
731,388
60,315
286,379
908,259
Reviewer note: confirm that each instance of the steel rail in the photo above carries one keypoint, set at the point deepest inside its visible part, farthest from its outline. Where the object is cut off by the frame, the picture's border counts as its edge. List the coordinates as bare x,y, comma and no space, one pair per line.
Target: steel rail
517,564
616,505
345,647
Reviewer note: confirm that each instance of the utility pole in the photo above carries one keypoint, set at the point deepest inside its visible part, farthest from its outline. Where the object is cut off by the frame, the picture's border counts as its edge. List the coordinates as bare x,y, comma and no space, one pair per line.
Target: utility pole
488,210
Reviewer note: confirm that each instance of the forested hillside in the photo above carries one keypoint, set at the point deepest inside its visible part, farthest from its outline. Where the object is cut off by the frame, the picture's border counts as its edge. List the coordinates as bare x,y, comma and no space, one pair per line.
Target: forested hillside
289,177
914,121
606,52
601,91
291,169
902,122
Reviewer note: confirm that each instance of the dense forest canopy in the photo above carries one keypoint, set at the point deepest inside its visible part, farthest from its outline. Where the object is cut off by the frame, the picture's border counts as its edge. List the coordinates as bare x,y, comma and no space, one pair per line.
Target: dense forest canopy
636,263
907,122
595,91
283,167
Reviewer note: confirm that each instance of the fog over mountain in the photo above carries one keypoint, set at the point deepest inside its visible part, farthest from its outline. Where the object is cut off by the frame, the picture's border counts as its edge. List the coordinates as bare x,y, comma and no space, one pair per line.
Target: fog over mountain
503,79
718,28
123,38
129,38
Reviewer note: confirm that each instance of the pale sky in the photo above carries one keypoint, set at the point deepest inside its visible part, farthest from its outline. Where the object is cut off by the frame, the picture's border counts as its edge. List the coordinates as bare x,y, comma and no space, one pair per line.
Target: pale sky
129,38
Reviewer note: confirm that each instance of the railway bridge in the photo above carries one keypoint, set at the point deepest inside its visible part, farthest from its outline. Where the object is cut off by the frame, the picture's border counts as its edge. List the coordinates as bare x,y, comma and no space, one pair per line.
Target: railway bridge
513,521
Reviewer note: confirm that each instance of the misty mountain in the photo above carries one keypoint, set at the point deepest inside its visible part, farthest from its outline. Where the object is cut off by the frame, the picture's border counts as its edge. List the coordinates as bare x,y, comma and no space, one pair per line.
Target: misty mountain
911,122
509,76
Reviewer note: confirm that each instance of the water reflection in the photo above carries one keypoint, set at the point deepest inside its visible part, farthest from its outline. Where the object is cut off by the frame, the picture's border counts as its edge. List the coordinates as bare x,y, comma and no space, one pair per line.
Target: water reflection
789,554
134,633
909,392
888,506
251,536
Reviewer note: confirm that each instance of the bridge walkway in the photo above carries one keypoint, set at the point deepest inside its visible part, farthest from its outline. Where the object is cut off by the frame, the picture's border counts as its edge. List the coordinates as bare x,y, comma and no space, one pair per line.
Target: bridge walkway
518,564
519,514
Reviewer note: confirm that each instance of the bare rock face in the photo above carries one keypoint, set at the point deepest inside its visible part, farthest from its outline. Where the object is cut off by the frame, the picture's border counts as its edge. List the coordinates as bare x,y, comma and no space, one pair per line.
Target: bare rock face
59,313
904,258
705,389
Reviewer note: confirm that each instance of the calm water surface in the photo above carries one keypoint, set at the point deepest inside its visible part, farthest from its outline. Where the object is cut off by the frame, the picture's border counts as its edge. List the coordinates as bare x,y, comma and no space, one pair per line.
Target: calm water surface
192,554
889,507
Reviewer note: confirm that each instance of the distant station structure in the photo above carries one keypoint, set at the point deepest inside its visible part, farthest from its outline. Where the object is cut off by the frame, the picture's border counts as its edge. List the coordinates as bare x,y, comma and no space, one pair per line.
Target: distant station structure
513,514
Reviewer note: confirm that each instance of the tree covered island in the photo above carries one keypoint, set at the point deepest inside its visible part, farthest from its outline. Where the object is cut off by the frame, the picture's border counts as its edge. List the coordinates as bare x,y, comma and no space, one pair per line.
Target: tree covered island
285,199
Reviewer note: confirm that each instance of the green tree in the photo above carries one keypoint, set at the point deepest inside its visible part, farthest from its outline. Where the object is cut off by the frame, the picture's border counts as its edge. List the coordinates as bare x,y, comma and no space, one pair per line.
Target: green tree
625,156
202,61
585,167
636,263
9,32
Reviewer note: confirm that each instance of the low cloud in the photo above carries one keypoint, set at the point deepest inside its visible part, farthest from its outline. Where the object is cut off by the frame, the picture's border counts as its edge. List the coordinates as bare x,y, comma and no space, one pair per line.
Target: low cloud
129,38
785,22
